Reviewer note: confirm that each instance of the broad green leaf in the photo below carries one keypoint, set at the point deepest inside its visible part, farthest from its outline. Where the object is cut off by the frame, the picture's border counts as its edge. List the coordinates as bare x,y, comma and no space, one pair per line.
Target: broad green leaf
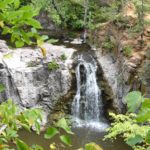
144,113
33,23
66,139
2,88
25,126
92,146
44,37
5,3
62,123
148,137
51,41
11,133
6,30
19,43
134,140
21,145
134,100
51,132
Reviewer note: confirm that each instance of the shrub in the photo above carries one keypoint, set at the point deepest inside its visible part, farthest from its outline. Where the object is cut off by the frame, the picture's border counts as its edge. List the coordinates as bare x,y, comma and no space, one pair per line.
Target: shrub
127,50
107,44
18,22
134,126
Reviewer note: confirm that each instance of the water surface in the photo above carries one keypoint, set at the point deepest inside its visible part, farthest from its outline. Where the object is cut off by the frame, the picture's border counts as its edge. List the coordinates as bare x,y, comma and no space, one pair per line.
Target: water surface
82,136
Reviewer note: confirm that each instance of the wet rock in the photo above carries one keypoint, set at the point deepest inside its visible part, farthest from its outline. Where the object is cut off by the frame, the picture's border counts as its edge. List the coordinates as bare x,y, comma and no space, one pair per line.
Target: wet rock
27,79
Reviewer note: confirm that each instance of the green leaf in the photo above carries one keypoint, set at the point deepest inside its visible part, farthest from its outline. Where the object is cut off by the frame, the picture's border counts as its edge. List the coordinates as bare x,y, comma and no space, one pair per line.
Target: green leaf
37,127
11,133
2,88
44,37
33,30
144,113
25,126
6,30
19,43
148,137
51,132
17,3
62,123
92,146
134,140
51,41
134,100
66,139
34,23
21,145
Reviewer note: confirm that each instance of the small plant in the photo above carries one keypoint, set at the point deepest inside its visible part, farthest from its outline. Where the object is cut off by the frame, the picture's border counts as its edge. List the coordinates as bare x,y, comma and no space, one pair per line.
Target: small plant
12,119
127,51
107,44
63,57
134,125
2,87
53,65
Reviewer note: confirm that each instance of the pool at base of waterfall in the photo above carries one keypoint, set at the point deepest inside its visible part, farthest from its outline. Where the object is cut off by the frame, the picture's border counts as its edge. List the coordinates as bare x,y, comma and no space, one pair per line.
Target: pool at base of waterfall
83,134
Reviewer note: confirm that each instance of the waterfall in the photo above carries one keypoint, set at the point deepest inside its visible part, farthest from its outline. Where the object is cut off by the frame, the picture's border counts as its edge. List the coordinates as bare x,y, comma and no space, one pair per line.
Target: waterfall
87,103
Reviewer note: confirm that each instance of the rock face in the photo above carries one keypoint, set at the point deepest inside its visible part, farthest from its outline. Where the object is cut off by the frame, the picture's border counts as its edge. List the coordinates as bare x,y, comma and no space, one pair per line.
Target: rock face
28,81
115,87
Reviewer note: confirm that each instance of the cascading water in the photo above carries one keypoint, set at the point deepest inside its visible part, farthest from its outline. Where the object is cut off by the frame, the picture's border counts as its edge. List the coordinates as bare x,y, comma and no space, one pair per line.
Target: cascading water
87,104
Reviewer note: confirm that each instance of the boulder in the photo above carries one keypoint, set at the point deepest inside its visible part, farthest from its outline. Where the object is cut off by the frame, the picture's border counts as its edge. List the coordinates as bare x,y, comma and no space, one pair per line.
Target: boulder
26,77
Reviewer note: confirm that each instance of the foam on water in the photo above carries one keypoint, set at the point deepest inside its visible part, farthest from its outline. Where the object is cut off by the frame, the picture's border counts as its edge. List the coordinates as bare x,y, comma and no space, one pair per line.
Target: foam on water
87,107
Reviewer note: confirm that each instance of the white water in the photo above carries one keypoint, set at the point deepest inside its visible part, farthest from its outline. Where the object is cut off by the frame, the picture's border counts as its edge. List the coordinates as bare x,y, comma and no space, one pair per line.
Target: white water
87,104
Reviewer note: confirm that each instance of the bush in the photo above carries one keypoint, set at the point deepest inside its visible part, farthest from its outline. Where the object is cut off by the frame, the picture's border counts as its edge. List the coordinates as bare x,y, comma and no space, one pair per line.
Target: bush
18,22
134,126
127,51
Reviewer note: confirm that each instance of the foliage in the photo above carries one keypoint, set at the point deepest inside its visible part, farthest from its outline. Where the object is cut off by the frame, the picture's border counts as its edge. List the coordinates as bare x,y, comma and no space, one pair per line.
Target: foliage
127,50
2,88
107,44
18,22
134,126
63,57
53,65
12,119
